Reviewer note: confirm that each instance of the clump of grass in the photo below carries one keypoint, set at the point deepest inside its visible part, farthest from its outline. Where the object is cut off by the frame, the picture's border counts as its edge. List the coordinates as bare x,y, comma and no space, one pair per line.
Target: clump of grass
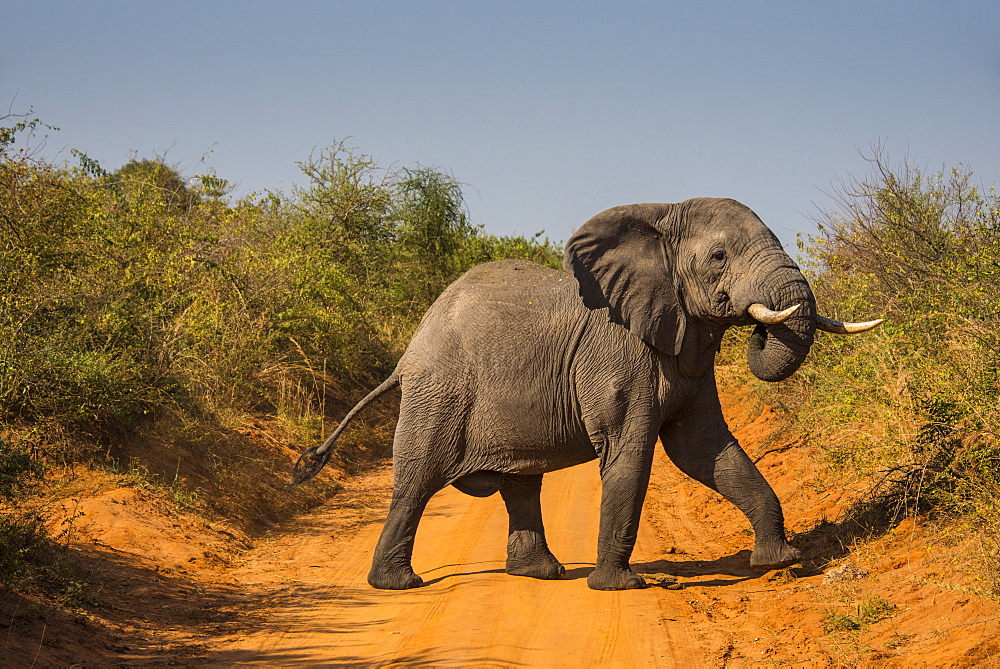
867,612
22,536
31,557
18,471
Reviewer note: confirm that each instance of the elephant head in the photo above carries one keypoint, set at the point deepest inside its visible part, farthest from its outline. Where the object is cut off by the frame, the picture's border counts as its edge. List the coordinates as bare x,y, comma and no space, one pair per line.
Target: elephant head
678,275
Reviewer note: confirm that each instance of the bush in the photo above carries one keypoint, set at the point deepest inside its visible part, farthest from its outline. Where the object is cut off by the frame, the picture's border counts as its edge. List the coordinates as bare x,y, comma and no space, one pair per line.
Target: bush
138,300
914,403
22,533
18,470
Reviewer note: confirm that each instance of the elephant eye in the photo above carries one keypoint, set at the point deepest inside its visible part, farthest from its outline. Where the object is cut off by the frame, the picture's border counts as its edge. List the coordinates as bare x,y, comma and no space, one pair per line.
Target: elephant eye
719,255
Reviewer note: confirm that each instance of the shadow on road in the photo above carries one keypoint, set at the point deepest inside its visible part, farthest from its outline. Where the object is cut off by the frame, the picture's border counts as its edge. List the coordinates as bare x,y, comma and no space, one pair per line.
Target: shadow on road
461,573
736,565
868,518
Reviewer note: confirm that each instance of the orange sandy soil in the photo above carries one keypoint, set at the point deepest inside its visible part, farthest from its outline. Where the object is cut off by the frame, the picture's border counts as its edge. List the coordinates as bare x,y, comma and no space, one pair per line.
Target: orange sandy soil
171,588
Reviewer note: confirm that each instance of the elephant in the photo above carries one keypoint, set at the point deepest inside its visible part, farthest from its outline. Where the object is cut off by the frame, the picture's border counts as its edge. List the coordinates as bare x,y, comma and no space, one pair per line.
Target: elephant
517,370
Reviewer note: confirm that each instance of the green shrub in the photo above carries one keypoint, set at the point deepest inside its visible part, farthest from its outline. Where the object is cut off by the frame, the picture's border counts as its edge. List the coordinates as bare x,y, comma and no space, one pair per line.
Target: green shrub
138,295
913,404
18,470
868,612
22,533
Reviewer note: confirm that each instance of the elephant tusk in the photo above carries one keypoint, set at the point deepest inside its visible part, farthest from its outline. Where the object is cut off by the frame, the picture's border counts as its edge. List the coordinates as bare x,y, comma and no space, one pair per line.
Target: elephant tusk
769,317
836,327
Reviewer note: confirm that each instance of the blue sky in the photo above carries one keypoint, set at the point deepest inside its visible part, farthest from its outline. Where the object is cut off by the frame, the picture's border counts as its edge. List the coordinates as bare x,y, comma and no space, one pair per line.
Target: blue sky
548,111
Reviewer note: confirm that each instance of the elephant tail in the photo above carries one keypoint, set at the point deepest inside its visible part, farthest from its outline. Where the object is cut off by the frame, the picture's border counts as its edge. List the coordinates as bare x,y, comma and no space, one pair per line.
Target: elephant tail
313,459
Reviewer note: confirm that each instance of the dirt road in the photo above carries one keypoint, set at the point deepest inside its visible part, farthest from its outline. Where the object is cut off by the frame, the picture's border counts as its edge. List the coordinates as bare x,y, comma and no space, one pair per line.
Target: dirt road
470,613
182,591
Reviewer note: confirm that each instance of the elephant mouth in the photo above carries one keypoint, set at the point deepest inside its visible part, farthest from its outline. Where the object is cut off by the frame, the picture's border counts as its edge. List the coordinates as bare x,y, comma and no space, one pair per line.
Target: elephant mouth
723,312
775,352
781,339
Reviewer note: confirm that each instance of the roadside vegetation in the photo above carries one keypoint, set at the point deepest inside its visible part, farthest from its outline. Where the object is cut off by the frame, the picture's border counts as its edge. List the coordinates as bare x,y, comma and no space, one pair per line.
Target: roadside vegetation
154,326
169,335
913,405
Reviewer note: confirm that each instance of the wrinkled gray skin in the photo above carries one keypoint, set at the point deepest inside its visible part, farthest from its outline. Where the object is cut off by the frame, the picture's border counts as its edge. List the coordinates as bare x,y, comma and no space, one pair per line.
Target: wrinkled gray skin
518,370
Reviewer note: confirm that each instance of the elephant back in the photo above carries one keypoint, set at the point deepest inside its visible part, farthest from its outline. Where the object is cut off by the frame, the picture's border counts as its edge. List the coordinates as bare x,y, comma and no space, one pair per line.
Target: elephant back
494,314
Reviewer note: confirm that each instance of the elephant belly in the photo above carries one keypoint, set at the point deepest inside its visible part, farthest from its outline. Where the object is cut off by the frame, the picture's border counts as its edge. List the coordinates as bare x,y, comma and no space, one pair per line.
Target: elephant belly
517,459
524,440
533,464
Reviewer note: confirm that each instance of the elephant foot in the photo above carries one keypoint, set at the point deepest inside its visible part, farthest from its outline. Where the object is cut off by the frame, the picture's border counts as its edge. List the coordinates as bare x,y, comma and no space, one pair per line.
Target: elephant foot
774,555
614,578
546,569
528,555
397,579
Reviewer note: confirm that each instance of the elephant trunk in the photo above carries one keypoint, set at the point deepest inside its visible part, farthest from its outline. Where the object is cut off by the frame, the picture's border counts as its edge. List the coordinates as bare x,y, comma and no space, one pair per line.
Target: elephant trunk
775,351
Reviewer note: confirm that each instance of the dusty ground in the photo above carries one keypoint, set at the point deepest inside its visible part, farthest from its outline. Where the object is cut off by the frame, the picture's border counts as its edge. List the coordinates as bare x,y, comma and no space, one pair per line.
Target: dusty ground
177,590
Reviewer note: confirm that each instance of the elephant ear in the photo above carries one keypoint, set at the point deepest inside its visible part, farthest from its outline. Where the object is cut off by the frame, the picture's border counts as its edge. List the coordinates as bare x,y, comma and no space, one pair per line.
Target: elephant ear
620,261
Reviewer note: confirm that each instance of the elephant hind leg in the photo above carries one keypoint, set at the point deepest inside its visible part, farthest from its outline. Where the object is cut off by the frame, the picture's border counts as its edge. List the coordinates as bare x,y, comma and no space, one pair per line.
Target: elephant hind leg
413,486
391,567
424,430
527,552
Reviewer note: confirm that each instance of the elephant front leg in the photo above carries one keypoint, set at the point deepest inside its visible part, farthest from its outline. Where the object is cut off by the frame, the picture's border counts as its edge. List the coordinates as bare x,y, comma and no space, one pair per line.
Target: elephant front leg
527,552
711,455
737,478
624,479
